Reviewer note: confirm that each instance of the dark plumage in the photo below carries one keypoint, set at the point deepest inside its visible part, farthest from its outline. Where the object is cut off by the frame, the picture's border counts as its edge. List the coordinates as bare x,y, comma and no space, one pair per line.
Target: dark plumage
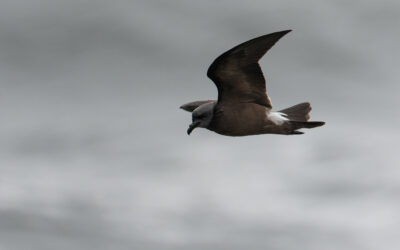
243,106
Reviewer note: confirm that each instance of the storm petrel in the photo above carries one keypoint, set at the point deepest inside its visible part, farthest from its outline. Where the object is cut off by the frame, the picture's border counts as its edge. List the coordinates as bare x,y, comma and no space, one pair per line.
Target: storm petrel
243,106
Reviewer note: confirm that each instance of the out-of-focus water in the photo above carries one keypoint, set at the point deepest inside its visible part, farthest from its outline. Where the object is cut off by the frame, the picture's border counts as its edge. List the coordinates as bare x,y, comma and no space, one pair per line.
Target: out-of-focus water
94,152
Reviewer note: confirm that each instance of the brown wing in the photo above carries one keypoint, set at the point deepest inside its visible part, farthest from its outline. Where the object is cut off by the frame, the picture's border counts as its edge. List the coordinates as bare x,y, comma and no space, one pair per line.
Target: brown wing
190,106
238,75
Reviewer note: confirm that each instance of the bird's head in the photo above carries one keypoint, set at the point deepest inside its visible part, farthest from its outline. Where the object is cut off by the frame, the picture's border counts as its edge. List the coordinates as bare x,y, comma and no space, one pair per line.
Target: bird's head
201,116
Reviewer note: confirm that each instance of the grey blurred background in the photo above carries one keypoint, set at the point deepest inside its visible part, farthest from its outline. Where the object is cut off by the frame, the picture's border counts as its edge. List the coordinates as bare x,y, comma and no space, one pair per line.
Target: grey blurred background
94,152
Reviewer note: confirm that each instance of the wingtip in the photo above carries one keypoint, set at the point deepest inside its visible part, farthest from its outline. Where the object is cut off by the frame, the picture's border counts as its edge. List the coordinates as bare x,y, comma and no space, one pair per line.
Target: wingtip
185,107
280,33
285,31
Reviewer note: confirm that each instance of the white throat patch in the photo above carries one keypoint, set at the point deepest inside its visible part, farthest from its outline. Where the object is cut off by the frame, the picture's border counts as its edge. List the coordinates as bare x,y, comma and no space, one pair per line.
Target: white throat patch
277,117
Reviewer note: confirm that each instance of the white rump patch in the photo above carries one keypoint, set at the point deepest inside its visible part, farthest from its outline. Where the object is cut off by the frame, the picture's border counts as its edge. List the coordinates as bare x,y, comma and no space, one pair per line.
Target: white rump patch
277,117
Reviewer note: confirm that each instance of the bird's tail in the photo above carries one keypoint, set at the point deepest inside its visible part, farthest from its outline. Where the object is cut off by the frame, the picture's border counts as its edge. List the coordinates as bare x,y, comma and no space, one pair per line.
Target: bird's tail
298,116
313,124
298,112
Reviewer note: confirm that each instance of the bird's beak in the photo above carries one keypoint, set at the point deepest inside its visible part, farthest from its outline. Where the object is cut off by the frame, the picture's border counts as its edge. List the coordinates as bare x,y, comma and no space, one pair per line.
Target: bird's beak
192,126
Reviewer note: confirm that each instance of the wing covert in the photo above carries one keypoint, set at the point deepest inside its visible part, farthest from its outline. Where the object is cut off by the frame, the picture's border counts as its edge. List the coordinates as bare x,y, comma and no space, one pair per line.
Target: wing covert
237,74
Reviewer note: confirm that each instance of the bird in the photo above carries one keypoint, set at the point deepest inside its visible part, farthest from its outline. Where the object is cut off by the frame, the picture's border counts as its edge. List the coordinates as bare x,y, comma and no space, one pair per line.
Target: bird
243,107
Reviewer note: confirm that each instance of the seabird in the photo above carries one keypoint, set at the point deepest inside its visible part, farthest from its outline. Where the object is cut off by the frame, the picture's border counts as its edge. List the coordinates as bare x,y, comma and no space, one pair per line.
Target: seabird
243,106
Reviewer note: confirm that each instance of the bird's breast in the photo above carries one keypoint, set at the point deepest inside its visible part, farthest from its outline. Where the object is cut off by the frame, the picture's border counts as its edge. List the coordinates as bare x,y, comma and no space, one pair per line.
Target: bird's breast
239,119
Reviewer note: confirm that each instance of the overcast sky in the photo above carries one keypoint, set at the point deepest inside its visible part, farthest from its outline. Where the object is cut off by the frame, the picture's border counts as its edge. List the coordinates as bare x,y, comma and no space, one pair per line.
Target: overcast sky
94,152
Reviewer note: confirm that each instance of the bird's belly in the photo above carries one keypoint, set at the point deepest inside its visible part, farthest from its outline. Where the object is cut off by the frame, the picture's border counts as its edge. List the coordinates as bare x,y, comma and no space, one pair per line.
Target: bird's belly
241,121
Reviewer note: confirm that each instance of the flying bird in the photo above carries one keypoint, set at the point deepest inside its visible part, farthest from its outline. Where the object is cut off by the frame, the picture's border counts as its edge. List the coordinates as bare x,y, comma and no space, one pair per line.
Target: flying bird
243,106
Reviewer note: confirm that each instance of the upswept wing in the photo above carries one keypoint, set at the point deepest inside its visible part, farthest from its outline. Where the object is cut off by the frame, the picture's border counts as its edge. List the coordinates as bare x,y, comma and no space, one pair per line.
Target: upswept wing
237,74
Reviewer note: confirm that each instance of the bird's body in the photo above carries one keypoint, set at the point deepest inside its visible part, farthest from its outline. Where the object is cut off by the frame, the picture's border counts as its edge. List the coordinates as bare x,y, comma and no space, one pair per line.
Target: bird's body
243,107
239,119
